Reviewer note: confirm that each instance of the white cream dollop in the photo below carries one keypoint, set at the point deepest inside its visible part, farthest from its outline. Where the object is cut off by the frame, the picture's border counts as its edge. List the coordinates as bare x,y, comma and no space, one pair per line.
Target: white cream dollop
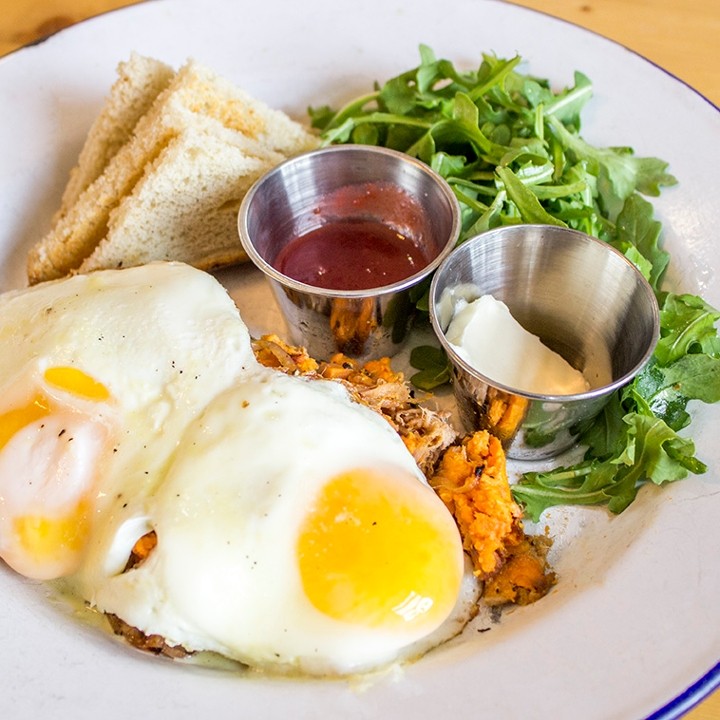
484,333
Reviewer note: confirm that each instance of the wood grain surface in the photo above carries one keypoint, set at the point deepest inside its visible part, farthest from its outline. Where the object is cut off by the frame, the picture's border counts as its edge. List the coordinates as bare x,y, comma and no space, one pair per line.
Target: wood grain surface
681,36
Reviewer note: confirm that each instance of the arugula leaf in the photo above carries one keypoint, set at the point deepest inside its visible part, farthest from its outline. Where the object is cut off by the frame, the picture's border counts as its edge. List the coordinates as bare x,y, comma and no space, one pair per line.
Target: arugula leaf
687,324
567,105
433,364
528,205
619,171
604,436
651,452
587,483
638,230
510,147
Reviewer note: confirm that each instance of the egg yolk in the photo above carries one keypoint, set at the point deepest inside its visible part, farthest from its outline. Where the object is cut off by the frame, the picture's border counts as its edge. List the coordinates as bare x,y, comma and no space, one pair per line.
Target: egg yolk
46,477
69,379
14,420
381,552
47,539
77,383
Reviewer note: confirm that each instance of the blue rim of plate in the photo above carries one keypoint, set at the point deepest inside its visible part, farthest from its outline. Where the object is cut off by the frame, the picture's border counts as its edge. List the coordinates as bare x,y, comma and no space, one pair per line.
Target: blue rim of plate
696,693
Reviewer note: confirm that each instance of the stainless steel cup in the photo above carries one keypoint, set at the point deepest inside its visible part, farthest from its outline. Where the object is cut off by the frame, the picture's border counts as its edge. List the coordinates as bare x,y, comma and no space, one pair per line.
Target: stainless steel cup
580,296
288,201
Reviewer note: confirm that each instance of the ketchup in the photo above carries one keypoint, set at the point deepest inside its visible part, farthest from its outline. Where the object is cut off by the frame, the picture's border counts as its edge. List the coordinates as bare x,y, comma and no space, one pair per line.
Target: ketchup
350,255
363,240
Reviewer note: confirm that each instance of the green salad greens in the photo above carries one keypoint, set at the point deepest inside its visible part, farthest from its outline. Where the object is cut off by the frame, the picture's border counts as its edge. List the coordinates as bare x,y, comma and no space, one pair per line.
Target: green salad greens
510,147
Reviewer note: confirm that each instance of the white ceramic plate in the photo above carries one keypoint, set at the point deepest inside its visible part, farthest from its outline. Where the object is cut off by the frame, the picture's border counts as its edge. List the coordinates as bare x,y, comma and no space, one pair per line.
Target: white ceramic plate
633,627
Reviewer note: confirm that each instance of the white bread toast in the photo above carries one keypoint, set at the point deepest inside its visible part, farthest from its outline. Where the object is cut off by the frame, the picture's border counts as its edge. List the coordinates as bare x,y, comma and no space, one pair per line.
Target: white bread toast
140,80
194,220
211,109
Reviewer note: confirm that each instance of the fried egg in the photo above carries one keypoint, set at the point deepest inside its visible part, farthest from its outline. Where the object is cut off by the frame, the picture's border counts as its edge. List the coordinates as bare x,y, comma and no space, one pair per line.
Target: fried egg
296,532
294,529
99,376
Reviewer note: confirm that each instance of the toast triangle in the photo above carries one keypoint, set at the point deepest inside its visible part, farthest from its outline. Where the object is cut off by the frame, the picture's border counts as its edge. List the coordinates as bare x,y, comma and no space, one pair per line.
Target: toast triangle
196,98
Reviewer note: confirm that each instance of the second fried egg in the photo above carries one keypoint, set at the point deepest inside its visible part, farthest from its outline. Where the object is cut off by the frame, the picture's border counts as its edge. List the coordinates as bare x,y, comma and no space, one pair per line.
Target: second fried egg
294,532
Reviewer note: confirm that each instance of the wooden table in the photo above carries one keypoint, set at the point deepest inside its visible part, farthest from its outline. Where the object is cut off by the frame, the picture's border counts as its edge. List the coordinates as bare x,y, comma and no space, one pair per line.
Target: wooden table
682,37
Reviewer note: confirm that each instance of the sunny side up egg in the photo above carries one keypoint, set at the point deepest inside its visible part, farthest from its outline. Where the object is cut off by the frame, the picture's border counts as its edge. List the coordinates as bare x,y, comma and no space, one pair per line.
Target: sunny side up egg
99,376
294,530
312,542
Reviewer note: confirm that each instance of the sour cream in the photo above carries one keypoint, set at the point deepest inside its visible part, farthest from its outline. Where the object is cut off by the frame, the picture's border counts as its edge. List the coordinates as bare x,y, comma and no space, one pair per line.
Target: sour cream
484,333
